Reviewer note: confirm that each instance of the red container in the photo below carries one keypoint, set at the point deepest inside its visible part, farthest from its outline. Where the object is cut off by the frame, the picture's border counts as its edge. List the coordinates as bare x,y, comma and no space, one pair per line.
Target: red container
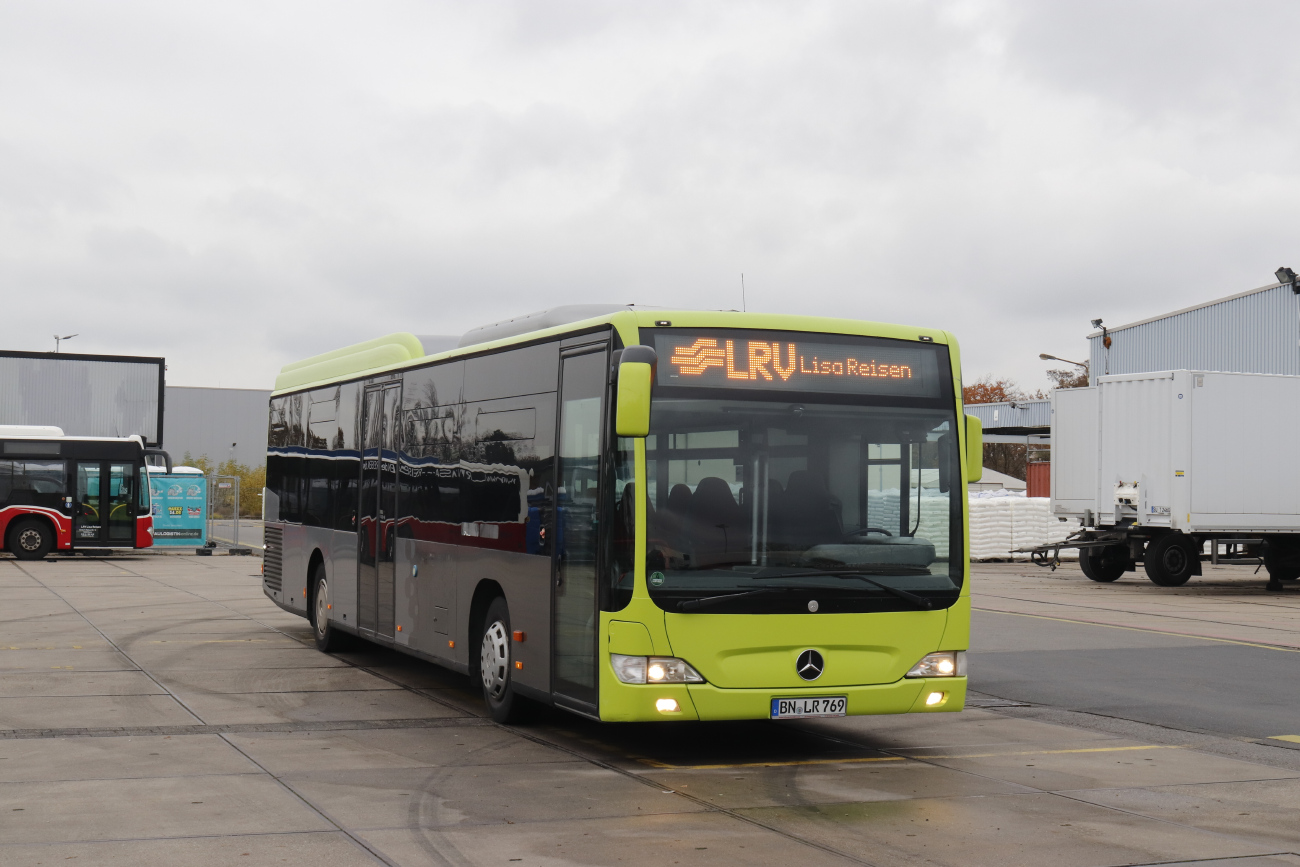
1038,479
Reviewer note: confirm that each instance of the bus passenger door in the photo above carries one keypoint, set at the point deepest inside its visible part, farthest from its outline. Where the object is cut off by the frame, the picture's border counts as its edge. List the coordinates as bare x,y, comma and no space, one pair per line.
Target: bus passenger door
119,503
575,618
88,519
377,508
386,549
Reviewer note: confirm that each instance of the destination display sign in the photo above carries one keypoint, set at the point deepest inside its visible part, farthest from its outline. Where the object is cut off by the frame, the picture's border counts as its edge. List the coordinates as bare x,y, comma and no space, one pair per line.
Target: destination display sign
784,361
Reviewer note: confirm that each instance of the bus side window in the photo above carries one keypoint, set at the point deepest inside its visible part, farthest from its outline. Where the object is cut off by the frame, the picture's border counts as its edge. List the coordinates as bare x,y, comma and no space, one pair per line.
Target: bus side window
285,470
34,483
343,445
431,436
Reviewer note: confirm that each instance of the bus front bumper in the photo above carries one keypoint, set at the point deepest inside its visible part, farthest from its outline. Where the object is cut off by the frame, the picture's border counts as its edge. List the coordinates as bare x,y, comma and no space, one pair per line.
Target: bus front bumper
638,703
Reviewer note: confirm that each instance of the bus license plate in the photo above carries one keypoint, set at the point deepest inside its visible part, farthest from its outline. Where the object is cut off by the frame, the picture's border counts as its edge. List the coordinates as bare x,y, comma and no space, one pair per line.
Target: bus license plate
798,708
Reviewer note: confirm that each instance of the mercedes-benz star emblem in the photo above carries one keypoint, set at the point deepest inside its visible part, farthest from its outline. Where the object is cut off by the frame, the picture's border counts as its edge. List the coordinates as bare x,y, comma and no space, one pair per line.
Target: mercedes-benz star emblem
810,665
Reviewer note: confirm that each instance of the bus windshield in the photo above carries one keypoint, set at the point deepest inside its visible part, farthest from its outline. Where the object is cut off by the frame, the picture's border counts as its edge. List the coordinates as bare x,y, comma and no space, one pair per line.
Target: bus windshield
784,506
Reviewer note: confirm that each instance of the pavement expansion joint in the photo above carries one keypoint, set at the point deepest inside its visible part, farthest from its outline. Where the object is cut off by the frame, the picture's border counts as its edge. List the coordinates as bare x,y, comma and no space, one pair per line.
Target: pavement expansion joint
243,728
984,703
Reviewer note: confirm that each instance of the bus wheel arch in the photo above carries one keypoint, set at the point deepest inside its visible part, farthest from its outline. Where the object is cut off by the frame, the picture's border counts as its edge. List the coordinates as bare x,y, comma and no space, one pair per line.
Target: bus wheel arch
486,591
31,537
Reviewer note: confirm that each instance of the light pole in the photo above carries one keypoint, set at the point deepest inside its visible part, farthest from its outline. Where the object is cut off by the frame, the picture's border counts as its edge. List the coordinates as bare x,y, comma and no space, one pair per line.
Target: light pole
1046,357
58,340
1061,380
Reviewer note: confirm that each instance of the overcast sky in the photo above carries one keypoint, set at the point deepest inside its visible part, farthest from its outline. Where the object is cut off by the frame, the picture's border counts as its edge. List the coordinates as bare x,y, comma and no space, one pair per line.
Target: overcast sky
238,185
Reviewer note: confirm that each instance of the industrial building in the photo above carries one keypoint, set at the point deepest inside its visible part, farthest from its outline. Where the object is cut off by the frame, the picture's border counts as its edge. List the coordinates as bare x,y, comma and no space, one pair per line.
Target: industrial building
221,423
1024,422
1250,332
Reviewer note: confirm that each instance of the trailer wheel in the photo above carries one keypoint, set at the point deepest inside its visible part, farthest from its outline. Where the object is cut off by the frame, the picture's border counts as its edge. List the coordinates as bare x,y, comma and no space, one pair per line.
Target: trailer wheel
1171,560
30,539
1282,560
1104,564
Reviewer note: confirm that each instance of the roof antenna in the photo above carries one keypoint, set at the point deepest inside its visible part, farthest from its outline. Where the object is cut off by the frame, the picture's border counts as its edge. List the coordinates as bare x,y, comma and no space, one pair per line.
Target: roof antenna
743,306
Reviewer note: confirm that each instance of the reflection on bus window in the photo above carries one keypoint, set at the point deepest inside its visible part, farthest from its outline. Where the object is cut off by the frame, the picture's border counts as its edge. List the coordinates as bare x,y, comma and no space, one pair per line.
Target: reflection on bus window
746,495
33,483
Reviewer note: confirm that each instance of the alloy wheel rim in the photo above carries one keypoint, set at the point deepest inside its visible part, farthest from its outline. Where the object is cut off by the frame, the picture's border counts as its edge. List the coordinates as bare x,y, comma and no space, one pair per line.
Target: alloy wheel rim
494,660
322,607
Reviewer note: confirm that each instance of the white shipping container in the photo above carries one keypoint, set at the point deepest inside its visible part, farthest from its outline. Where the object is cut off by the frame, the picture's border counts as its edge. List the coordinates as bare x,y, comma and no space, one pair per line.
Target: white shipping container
1196,451
1074,451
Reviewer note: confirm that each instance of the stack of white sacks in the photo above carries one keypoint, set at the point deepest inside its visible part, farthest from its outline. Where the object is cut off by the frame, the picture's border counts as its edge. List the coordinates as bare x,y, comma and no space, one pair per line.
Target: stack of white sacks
1001,521
882,506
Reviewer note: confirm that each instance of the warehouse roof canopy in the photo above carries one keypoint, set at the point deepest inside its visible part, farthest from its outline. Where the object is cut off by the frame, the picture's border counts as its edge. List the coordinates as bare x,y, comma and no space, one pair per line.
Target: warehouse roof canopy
1015,416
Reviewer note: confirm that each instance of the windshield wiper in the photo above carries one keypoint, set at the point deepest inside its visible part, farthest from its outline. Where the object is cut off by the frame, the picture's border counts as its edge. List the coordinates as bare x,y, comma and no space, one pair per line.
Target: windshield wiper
710,601
919,601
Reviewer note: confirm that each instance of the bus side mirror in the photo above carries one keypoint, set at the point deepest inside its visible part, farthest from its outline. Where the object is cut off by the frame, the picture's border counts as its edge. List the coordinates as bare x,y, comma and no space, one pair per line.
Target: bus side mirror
974,449
635,376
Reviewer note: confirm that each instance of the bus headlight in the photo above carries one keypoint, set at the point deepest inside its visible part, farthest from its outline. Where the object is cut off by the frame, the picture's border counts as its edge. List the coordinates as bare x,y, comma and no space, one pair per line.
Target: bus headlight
945,663
653,669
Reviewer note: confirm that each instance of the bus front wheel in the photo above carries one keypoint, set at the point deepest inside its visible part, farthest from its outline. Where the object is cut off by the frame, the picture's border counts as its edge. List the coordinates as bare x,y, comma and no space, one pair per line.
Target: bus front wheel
328,639
495,668
30,539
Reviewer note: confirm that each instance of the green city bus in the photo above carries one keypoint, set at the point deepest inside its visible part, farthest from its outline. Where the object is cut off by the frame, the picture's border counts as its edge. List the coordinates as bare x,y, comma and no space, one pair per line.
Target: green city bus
637,515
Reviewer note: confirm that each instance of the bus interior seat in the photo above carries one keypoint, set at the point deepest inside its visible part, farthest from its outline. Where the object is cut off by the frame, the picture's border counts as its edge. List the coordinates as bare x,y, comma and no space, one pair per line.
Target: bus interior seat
809,513
679,499
717,525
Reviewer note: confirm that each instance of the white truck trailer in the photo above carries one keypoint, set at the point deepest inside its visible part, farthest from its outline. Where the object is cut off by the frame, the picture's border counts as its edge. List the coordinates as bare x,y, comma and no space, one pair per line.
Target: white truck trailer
1154,467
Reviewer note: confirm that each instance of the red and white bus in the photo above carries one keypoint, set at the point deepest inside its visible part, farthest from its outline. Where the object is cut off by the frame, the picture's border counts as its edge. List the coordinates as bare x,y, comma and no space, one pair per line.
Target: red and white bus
62,493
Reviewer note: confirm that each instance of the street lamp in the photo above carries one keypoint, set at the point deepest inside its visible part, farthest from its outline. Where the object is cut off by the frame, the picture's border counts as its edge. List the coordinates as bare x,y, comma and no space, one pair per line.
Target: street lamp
58,340
1046,357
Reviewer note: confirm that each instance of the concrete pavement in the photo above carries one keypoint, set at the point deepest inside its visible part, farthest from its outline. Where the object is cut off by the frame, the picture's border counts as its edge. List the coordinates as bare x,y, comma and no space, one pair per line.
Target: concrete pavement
159,710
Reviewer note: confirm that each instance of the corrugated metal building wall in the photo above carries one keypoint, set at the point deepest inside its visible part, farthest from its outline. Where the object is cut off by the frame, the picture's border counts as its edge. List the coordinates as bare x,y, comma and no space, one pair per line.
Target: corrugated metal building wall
1251,332
1025,414
86,395
205,421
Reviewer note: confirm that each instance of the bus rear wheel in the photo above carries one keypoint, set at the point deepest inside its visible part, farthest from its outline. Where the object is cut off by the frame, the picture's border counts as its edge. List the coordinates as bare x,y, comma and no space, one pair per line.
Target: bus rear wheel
1171,560
495,668
1104,564
30,539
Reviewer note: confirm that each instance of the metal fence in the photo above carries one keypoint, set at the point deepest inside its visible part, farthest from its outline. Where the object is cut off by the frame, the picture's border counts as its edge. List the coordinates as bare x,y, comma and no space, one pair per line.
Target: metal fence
223,512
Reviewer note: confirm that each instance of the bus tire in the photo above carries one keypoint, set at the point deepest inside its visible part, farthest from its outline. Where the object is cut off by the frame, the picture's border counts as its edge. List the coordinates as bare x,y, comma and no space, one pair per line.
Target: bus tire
1171,560
328,639
30,539
1104,564
495,668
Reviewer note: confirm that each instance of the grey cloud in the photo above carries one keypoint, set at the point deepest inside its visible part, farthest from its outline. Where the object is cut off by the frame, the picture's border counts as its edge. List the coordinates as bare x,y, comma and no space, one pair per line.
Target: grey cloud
276,180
